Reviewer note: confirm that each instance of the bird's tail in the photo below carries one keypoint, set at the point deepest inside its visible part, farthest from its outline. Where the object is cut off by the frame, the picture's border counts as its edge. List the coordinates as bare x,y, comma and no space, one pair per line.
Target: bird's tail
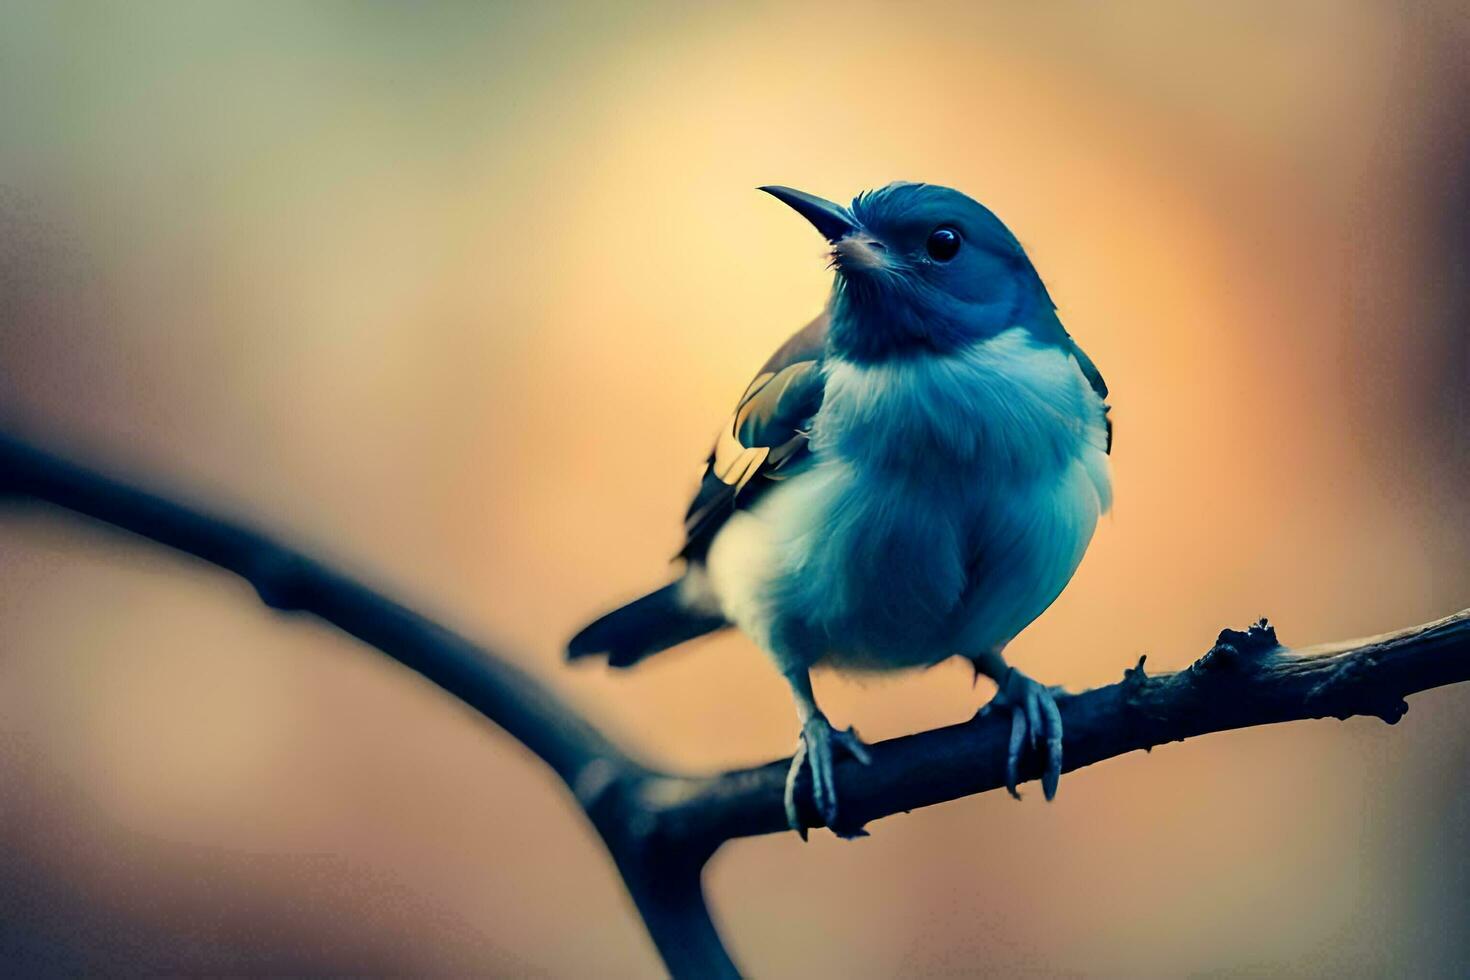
642,628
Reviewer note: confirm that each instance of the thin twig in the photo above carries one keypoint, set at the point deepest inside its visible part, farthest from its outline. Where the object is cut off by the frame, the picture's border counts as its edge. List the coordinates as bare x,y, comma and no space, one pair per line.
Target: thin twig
661,828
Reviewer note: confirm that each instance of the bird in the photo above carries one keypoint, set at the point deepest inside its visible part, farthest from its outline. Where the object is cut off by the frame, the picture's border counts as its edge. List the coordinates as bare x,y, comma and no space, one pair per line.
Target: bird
914,476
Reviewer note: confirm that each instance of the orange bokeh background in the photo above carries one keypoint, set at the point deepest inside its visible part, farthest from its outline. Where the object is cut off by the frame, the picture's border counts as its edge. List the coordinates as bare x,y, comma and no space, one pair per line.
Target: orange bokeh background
456,298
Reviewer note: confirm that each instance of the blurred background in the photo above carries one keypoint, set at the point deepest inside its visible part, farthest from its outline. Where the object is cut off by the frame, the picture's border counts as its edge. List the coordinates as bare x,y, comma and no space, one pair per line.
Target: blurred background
457,296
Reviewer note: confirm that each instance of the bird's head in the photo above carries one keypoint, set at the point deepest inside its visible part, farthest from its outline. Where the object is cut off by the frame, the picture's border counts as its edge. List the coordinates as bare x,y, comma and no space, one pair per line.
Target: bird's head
920,268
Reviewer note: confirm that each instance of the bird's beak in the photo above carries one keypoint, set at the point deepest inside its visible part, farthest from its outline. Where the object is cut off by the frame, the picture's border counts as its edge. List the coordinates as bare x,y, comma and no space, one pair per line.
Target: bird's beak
832,220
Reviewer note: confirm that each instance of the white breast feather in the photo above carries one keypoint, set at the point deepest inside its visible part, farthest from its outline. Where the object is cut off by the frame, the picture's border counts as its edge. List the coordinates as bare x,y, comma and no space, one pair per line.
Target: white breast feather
1014,424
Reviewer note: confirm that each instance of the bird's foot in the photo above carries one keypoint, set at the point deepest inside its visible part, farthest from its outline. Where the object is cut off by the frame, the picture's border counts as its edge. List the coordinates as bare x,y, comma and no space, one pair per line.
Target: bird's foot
815,753
1034,718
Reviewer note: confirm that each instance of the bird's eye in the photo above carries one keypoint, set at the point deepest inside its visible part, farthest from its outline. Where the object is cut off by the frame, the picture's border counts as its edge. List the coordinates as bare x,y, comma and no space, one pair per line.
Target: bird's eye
943,243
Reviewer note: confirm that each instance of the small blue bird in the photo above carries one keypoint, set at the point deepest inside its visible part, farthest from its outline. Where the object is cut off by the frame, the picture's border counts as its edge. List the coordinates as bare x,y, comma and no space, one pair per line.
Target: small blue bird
914,476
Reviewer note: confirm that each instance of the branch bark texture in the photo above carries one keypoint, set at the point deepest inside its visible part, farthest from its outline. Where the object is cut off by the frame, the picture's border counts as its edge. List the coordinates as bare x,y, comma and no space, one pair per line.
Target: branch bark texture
661,828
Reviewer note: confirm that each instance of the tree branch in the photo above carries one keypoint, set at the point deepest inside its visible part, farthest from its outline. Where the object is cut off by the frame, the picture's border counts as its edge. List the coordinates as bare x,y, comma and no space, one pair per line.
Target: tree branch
1245,679
608,784
661,828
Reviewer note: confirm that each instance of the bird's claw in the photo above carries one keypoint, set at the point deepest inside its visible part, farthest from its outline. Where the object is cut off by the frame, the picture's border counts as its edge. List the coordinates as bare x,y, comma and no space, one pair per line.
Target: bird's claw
815,753
1034,717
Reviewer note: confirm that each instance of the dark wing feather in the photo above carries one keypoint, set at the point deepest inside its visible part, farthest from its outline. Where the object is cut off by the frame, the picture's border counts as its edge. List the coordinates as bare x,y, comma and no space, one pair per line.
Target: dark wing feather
765,439
1095,378
1048,328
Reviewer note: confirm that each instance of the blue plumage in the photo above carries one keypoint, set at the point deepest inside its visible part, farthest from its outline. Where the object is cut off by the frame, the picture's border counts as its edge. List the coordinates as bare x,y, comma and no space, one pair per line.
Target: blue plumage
915,476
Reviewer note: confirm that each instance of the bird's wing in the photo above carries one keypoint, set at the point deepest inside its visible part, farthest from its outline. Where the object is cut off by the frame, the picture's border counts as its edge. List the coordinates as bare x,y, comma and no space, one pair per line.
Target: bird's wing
765,439
1048,327
1095,378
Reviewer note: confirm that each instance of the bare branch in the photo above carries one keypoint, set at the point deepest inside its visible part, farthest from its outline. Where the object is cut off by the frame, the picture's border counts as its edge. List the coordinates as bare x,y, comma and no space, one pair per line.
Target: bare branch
661,828
1245,679
608,784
